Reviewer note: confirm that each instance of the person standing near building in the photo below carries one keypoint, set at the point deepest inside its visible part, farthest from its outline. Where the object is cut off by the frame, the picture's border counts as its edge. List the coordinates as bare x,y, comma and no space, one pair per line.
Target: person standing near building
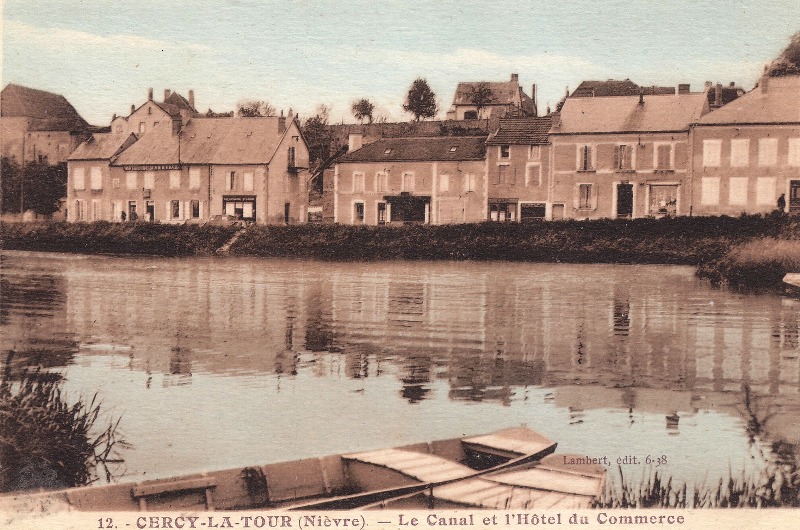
782,203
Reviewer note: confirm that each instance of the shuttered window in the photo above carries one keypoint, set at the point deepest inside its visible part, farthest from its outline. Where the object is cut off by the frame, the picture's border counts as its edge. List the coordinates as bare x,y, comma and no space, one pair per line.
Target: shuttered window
78,179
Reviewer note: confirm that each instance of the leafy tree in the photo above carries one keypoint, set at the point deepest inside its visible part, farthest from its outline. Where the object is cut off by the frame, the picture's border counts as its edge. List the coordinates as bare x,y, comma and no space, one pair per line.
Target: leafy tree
248,108
363,108
421,100
212,114
788,62
480,94
36,186
318,135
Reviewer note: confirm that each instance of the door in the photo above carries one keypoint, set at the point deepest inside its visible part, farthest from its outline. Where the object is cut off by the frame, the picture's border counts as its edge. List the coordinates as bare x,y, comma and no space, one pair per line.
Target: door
558,212
625,200
150,208
794,195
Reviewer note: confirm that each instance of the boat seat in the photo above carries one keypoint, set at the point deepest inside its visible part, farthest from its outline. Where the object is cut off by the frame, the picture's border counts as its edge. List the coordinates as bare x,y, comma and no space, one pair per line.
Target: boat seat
512,443
423,467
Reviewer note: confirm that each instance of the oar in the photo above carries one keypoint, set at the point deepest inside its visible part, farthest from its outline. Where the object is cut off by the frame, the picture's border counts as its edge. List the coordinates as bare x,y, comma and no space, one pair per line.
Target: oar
357,500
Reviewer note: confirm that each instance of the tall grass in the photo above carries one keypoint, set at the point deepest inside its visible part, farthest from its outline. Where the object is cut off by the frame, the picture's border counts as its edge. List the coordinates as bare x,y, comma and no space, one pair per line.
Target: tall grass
760,263
46,442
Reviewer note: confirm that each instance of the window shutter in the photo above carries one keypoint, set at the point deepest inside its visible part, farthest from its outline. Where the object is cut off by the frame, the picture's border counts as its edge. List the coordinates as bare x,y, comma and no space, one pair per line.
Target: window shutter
512,175
168,211
200,208
617,158
593,190
576,196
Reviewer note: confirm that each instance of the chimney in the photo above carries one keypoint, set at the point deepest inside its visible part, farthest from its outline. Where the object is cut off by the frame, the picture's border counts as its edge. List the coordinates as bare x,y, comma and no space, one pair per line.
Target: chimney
281,123
641,96
718,95
133,108
354,141
764,81
177,125
708,84
167,92
683,88
515,79
191,98
732,84
149,94
114,117
535,104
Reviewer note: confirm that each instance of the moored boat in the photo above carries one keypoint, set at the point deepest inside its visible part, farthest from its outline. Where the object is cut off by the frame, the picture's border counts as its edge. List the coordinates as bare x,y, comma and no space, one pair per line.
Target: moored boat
511,468
792,281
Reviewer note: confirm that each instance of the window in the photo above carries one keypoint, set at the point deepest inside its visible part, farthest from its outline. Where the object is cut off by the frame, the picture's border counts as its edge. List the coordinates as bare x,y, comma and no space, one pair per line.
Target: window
471,115
535,152
453,148
149,110
358,213
132,216
585,197
505,151
469,182
381,178
80,210
149,180
767,151
96,211
382,213
115,183
195,209
174,180
194,178
141,127
358,181
711,153
78,178
502,211
444,182
175,210
96,178
710,191
794,152
533,175
740,152
505,174
737,193
408,181
130,180
765,191
622,157
663,157
290,158
230,181
248,181
585,158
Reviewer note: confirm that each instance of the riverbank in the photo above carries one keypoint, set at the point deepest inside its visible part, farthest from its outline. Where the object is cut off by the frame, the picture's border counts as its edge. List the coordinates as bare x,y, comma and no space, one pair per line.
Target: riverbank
756,264
679,241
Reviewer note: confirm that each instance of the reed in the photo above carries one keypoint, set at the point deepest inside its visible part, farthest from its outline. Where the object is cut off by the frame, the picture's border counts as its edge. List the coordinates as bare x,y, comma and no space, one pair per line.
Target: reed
46,442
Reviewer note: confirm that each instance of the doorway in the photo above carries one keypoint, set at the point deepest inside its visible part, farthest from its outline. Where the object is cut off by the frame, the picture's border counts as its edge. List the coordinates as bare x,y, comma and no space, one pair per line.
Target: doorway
794,195
624,200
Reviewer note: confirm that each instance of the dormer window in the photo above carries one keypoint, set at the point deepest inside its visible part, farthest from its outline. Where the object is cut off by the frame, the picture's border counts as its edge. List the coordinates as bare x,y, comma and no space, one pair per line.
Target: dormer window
388,151
149,110
453,148
505,151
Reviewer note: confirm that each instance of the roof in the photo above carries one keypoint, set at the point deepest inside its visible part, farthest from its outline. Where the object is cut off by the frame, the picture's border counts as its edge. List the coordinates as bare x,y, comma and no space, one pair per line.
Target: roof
503,93
626,114
612,87
523,131
779,104
48,111
175,103
420,149
102,146
208,141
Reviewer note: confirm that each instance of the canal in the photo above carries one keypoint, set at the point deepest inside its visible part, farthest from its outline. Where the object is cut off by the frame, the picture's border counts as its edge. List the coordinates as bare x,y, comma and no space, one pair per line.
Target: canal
217,363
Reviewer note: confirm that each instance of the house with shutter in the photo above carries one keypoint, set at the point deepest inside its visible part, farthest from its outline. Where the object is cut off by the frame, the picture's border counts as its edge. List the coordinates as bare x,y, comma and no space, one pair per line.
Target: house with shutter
623,156
502,99
39,126
746,154
252,169
436,180
518,170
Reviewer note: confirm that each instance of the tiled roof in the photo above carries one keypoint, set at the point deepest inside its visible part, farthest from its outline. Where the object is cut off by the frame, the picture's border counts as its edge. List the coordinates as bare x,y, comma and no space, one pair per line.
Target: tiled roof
612,87
48,111
443,148
102,146
208,141
626,114
503,93
523,131
779,104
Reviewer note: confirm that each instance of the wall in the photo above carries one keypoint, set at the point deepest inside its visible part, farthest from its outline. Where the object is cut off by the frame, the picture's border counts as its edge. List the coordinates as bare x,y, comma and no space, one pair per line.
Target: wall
149,114
746,182
526,179
54,146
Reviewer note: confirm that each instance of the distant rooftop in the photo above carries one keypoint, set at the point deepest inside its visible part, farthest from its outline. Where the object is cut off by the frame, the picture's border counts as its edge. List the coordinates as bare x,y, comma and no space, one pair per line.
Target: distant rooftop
523,131
420,149
47,111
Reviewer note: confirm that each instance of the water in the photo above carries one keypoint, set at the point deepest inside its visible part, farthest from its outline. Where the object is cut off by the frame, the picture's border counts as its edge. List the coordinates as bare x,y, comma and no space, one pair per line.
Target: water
218,363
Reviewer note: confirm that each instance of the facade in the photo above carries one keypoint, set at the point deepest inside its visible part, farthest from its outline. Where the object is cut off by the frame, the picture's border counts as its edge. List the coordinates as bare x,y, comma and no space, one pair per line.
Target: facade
623,156
747,153
507,99
252,169
151,113
436,180
518,170
39,126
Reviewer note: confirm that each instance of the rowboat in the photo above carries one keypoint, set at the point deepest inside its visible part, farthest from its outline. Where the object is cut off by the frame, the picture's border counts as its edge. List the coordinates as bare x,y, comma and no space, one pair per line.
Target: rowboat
508,469
792,281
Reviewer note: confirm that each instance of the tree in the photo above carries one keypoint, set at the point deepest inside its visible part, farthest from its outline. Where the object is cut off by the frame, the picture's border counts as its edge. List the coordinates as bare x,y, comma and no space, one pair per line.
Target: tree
788,62
35,186
212,114
421,100
363,108
248,108
318,135
480,94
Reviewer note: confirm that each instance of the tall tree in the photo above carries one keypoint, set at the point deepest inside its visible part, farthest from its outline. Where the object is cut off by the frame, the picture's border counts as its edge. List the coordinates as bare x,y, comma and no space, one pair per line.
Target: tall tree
421,100
480,94
36,186
363,108
788,62
318,135
248,108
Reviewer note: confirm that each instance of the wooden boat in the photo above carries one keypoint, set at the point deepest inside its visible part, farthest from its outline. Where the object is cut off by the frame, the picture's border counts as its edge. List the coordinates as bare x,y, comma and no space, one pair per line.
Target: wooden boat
792,281
511,468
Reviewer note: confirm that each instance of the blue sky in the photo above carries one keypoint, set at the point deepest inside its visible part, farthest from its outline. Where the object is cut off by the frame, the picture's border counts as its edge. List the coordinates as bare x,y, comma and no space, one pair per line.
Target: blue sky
103,55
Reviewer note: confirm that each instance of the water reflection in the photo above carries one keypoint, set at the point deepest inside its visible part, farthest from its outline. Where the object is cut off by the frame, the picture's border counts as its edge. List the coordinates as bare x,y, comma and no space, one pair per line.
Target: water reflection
634,340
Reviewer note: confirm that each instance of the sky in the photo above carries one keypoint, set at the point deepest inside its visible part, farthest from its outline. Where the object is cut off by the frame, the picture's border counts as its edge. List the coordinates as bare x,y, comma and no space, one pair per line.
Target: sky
104,55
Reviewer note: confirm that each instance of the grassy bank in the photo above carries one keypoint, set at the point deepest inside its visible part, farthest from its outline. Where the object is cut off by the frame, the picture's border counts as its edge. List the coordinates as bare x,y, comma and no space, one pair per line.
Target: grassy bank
684,240
114,238
756,264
